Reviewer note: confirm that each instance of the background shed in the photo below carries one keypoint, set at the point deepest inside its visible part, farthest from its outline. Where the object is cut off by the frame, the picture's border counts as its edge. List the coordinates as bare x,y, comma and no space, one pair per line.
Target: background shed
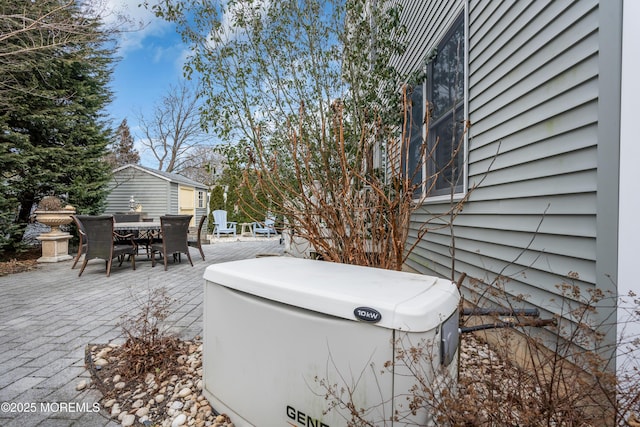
157,192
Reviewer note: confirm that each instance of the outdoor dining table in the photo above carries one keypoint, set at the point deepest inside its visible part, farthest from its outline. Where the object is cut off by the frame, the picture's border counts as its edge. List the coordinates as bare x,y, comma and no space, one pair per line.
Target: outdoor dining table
137,226
146,230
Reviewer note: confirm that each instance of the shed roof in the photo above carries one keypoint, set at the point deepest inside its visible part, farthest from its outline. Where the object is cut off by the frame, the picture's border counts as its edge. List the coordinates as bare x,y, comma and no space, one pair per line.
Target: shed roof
168,176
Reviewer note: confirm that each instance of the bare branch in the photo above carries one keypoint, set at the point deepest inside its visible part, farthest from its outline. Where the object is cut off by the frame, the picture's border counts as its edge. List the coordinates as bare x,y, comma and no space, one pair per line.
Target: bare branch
175,129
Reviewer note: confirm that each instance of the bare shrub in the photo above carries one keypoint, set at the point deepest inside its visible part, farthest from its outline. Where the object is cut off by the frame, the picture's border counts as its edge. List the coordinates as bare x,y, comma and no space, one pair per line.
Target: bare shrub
560,375
565,382
331,195
148,346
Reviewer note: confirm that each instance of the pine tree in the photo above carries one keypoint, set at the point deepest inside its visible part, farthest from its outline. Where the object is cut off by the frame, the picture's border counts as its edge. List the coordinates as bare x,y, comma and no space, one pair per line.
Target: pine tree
122,151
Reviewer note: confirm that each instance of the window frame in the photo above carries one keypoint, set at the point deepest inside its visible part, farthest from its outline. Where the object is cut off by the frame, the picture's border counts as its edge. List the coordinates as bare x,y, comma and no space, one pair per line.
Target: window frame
201,199
416,134
428,135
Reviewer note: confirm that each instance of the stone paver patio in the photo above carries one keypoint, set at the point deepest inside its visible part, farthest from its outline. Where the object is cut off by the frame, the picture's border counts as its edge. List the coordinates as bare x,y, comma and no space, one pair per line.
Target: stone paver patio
49,315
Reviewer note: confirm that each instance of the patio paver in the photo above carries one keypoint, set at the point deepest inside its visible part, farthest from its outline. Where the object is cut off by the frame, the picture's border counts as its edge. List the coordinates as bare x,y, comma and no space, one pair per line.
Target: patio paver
49,315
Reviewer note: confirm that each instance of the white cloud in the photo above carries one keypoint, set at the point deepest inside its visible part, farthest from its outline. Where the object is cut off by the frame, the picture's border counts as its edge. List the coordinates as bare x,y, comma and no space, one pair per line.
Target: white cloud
136,23
182,57
227,30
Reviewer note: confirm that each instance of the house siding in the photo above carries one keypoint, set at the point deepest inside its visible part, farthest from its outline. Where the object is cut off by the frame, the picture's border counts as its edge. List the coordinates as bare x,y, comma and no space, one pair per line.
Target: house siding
536,209
148,191
173,198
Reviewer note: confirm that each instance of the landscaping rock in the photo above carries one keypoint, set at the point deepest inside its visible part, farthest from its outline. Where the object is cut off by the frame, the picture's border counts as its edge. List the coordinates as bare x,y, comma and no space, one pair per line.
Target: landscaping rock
128,420
178,421
100,362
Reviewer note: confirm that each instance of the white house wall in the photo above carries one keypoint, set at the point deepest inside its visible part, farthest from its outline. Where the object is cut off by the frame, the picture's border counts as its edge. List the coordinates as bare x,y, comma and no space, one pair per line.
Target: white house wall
542,106
629,177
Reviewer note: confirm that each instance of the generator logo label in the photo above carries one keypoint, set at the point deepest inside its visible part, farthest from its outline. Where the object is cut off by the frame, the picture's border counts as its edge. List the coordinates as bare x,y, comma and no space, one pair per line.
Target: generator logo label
300,419
367,314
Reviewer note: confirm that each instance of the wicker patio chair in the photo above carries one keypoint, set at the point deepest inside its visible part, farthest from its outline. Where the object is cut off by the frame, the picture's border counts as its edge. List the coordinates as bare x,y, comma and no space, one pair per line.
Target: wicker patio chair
132,217
197,241
175,230
82,243
101,241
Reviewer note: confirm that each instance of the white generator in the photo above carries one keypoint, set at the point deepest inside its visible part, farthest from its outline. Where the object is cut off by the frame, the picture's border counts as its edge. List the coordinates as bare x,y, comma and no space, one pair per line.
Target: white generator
295,342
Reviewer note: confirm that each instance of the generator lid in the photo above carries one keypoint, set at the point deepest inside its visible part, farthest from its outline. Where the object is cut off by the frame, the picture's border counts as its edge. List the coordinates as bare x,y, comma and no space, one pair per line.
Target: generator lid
386,298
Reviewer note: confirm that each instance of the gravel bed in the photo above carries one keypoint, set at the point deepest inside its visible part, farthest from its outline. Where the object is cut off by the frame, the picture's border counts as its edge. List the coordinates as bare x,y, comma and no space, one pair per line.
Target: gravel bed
177,399
171,400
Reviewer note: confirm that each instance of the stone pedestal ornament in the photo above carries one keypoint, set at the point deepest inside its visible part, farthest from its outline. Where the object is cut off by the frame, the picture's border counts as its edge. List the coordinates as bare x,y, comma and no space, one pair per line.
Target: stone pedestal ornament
55,243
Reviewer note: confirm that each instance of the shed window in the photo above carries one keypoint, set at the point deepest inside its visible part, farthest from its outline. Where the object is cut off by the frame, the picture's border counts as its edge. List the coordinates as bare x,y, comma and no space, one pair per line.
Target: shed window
201,201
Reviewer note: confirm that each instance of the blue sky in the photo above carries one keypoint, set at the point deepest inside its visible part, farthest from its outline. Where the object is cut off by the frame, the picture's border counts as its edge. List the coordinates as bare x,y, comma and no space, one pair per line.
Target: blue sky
151,60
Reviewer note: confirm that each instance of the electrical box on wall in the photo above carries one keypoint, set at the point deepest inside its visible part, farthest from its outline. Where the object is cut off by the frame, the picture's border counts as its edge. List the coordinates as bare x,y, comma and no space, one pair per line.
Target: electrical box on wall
282,333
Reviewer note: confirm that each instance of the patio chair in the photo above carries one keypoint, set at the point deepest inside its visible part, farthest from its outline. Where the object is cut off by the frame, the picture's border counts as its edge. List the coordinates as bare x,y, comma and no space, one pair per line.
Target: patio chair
101,241
197,241
222,225
175,230
145,238
132,217
266,229
82,244
128,217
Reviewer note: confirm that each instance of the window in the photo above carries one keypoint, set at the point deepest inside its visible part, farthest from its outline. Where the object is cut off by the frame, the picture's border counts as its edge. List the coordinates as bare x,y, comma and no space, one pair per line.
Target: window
439,166
201,199
415,132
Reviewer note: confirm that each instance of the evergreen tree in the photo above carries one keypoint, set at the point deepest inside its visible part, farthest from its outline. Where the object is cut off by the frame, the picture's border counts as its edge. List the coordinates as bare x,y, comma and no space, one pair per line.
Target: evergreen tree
53,136
122,151
31,31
